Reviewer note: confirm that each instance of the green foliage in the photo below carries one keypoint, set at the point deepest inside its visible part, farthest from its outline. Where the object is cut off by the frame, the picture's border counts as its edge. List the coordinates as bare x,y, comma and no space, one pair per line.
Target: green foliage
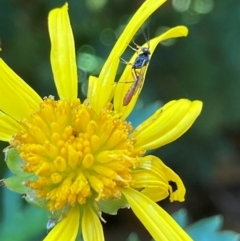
21,223
112,206
206,229
14,163
15,184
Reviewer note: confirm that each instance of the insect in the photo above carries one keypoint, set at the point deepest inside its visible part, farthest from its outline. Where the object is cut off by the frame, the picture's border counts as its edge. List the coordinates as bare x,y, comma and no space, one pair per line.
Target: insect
138,70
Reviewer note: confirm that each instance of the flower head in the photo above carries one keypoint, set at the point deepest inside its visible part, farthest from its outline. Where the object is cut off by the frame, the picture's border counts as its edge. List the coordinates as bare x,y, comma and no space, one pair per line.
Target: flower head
78,159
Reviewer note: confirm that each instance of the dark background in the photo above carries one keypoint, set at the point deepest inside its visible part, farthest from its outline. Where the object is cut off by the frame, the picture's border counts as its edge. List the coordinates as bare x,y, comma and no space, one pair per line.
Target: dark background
203,66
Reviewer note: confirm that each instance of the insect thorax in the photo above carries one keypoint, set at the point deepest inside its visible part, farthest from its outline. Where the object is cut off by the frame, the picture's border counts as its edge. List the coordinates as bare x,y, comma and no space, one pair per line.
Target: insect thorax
141,60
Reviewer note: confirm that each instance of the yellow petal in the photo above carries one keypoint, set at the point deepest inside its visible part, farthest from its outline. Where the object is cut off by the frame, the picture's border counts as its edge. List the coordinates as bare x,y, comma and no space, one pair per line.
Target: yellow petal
150,173
127,79
144,178
159,223
17,99
8,127
165,176
91,225
67,229
92,85
63,59
106,78
167,124
156,194
179,194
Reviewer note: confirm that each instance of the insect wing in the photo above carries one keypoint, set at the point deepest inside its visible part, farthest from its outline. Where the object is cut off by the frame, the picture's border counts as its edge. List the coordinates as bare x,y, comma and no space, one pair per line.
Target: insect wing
130,93
140,79
136,86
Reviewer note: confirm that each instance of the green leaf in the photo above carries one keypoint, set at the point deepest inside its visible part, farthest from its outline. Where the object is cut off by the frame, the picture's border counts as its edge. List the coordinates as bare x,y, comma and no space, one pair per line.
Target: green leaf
14,162
32,199
26,221
111,206
205,229
209,229
181,217
15,184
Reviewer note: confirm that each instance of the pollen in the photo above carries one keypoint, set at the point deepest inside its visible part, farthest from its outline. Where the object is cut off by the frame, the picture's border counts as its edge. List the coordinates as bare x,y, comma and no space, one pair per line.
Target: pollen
74,154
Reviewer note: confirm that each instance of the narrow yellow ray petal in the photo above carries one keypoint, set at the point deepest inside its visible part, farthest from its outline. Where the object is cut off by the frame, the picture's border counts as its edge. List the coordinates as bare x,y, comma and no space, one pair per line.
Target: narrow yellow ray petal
63,59
92,85
144,178
67,229
17,99
8,127
127,79
91,225
158,222
166,176
150,173
108,73
155,193
148,122
179,194
153,164
169,117
167,125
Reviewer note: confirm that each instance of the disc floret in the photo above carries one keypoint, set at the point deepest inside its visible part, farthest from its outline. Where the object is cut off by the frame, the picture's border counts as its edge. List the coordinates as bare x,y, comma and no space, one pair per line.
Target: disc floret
75,154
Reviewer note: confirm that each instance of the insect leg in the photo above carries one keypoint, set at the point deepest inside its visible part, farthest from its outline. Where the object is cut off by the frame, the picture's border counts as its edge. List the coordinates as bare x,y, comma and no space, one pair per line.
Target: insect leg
124,61
133,48
138,47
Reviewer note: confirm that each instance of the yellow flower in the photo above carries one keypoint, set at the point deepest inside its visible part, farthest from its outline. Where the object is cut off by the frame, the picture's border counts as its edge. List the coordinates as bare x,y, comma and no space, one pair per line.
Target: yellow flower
81,159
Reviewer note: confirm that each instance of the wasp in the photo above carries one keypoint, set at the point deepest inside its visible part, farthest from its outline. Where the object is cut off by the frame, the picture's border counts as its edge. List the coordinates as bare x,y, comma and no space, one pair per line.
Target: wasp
138,70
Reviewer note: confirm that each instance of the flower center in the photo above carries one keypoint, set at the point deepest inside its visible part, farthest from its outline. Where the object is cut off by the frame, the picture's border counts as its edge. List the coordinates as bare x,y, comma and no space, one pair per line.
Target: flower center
76,154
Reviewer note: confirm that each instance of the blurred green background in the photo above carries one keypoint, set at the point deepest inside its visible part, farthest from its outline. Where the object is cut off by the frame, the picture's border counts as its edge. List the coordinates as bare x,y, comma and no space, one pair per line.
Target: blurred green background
203,66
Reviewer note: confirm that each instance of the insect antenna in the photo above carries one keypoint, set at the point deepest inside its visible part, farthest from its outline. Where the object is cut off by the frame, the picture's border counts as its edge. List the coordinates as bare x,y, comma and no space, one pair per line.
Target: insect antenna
147,36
